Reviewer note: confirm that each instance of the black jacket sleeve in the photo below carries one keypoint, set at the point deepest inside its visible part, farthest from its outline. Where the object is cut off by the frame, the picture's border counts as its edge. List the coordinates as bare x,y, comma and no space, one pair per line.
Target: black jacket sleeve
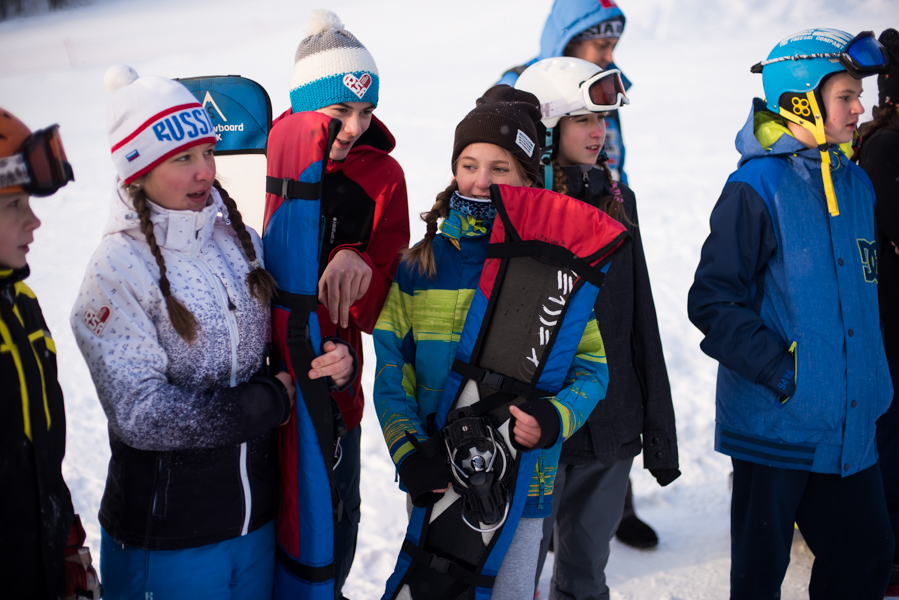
721,302
420,474
659,429
547,417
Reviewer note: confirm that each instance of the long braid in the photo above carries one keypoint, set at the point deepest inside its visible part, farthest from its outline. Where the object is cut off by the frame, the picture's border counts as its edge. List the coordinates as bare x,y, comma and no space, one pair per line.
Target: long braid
184,322
422,254
560,179
262,284
613,204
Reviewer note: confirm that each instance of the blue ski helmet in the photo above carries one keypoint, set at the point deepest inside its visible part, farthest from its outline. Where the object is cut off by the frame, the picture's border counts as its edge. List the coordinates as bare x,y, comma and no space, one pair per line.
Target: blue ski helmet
800,62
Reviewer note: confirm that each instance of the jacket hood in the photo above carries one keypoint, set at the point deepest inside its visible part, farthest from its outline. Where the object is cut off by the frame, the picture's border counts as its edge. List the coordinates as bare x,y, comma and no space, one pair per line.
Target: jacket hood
174,229
570,17
376,138
766,134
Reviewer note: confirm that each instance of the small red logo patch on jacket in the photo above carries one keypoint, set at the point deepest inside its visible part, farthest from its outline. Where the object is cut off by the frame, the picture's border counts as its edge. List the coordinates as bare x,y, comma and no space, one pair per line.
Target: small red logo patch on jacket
96,321
607,3
357,85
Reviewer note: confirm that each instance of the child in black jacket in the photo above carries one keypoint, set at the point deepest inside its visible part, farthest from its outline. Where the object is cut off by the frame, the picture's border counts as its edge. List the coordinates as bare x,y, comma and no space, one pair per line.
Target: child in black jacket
42,536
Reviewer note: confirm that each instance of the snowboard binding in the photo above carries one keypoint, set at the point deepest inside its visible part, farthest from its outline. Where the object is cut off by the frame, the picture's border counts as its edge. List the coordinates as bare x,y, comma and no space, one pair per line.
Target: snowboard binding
479,461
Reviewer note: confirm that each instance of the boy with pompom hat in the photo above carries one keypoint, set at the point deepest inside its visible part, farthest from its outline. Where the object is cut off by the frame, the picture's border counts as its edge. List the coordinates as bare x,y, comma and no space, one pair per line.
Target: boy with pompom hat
42,536
366,225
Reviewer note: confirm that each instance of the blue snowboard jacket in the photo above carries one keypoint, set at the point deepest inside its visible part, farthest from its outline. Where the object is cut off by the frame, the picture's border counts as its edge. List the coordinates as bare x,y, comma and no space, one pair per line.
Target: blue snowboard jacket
567,19
785,291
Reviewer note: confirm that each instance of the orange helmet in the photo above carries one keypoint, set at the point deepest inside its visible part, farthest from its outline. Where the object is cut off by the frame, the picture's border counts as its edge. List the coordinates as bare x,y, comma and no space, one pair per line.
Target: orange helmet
34,163
13,134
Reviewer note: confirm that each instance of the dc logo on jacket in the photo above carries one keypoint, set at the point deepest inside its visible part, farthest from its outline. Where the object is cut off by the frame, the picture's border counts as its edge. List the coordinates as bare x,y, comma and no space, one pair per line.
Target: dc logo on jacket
868,252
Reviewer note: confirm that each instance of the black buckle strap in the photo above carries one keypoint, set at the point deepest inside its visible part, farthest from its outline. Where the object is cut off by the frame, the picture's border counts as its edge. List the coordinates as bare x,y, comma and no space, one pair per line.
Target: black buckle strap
304,572
443,565
293,190
501,383
559,254
298,302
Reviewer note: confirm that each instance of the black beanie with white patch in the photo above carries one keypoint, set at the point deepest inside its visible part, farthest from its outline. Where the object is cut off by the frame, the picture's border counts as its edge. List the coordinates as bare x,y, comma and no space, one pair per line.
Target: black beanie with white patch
508,118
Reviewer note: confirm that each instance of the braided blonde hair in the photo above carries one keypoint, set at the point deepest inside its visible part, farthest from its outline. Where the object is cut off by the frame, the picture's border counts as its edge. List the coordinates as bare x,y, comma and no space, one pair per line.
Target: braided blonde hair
261,283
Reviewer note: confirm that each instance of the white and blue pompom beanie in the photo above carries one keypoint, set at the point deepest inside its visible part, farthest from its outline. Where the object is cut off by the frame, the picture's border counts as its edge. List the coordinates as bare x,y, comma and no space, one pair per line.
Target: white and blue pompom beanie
331,66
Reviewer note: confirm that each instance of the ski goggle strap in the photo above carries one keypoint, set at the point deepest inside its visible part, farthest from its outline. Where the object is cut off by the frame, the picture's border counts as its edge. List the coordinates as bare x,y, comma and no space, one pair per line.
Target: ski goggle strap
815,125
604,91
39,166
863,56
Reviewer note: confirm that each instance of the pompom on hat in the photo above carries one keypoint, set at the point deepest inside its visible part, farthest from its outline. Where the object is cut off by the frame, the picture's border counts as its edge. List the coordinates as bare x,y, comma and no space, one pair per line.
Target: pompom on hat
331,66
150,119
507,118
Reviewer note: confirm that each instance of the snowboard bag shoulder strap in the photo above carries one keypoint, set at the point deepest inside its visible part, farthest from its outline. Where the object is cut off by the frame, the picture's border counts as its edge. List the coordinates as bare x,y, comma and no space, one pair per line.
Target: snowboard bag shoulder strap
298,152
546,260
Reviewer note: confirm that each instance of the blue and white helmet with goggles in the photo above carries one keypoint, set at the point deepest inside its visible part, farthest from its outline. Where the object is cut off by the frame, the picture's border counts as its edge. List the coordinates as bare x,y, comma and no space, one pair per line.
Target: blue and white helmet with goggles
801,61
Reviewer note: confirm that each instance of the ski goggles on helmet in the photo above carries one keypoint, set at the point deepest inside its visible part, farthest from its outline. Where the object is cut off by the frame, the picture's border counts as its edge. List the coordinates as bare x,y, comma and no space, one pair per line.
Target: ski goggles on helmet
604,91
861,57
600,93
39,166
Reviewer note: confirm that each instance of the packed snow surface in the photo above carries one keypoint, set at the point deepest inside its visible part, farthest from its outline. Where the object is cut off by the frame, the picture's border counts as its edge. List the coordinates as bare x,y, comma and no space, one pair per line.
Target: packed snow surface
689,61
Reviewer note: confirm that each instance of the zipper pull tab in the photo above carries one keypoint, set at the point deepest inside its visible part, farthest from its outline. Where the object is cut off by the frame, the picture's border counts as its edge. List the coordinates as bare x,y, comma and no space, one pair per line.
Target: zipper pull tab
586,181
231,306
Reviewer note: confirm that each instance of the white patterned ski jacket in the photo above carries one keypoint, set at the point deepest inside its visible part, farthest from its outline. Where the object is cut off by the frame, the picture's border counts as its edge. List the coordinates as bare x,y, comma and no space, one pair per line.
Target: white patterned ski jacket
191,426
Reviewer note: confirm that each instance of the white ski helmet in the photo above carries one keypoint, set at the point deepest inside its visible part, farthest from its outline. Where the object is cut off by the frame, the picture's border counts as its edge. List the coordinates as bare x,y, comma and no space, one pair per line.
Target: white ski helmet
571,86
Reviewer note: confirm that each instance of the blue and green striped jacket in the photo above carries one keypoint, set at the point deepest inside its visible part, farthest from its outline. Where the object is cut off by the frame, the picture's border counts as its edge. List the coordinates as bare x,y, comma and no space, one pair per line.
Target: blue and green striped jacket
416,338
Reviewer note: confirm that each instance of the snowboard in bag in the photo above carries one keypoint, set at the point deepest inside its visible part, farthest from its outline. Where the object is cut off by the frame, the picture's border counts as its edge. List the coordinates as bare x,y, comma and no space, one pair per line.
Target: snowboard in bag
546,260
298,148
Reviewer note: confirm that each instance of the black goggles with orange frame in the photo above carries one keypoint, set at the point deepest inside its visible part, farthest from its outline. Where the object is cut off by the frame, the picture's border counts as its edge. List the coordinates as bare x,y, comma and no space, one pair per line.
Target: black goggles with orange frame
39,166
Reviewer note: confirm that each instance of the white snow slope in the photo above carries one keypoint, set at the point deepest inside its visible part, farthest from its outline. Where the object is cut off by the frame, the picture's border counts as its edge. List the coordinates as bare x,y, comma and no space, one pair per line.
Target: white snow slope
689,61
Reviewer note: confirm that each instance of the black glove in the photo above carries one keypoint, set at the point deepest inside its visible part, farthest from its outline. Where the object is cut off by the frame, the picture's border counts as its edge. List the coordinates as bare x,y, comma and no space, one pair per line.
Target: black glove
547,417
665,476
421,474
779,376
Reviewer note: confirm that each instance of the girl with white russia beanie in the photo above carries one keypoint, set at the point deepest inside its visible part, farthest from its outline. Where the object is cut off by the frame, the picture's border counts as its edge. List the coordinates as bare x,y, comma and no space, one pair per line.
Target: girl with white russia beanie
172,319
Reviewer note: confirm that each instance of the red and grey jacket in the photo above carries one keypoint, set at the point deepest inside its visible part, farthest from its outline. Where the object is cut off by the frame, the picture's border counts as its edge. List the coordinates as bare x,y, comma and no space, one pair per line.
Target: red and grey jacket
366,210
35,507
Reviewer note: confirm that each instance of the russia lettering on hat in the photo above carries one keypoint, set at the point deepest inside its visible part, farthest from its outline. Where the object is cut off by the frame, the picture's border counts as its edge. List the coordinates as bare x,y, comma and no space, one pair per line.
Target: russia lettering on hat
151,119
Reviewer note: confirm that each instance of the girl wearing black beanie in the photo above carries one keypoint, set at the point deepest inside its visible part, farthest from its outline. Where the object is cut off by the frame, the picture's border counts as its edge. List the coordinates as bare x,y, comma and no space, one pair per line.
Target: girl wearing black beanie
420,326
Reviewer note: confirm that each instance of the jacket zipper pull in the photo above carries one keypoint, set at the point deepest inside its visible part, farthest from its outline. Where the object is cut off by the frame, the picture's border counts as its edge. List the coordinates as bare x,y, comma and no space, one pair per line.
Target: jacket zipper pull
231,306
586,181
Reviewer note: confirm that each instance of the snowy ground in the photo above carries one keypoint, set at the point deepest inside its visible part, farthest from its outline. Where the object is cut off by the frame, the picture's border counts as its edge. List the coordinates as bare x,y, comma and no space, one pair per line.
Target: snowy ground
689,61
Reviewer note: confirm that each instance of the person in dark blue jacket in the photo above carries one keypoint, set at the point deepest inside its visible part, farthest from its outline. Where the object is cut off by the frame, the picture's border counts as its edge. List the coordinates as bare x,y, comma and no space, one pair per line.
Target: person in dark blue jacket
786,296
589,30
